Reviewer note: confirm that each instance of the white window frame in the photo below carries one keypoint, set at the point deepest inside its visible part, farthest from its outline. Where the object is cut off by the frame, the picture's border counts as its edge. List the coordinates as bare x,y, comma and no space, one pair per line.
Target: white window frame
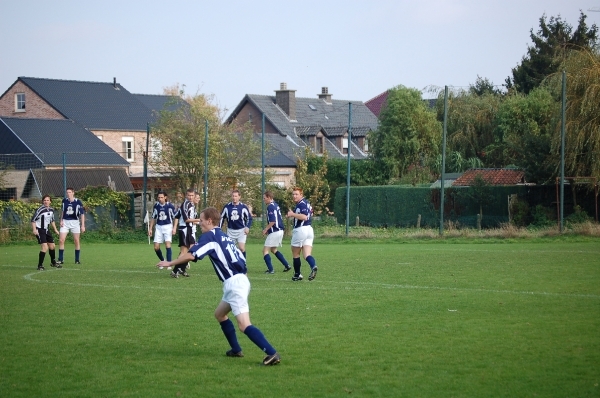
101,138
128,152
345,143
19,102
365,144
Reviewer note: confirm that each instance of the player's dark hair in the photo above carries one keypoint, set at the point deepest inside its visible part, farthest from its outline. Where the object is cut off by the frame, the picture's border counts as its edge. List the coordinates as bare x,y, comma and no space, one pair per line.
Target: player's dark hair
191,190
162,193
236,191
70,189
46,196
211,213
269,194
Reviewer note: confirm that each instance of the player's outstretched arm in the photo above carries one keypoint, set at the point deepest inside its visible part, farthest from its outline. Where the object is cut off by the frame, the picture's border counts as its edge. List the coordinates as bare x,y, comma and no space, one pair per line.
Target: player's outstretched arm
185,258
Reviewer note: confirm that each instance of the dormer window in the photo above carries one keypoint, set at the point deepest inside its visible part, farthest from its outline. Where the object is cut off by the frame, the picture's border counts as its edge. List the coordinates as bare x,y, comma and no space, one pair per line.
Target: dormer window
319,146
345,145
20,102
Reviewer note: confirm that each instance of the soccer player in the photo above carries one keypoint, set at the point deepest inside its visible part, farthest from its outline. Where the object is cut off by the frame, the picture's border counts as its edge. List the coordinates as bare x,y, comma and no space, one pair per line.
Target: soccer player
302,235
163,214
274,233
186,215
230,267
72,219
42,218
239,220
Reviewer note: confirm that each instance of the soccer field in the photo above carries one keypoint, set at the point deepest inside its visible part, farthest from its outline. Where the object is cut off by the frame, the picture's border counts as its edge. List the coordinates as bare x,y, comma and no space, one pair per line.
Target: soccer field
381,319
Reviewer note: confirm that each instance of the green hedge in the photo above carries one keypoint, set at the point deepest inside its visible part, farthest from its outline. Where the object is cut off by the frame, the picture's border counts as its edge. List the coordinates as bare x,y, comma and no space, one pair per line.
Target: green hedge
398,206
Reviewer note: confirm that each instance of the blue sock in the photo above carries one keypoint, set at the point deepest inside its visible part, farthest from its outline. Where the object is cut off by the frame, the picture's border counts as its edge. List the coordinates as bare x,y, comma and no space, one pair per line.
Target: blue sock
282,259
159,254
268,262
229,332
77,255
169,254
61,253
297,265
311,261
258,338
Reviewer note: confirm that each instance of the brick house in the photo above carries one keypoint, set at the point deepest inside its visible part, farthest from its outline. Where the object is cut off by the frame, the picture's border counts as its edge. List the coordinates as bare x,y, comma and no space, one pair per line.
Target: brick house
293,123
113,114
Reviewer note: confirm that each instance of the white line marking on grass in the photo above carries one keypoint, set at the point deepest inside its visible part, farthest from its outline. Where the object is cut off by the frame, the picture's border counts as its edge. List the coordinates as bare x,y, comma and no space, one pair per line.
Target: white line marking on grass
297,285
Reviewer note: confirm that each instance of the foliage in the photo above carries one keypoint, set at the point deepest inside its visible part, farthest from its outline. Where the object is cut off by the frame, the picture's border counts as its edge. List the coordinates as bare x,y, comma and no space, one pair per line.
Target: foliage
416,174
542,216
408,132
552,44
310,176
179,150
456,163
582,149
105,197
480,192
470,128
524,126
578,216
483,86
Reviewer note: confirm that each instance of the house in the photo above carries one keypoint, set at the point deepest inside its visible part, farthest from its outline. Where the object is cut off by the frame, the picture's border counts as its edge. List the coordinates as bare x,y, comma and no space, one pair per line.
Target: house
449,179
35,149
294,123
492,177
113,114
377,103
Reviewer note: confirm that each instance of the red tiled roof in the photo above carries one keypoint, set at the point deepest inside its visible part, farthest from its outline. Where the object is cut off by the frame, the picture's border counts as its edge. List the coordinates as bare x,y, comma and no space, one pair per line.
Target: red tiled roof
375,104
492,177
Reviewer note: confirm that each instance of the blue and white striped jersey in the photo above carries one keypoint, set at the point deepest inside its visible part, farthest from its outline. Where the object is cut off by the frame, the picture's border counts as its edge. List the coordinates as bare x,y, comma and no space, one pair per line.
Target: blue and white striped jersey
163,214
237,216
274,215
72,210
226,258
43,217
303,207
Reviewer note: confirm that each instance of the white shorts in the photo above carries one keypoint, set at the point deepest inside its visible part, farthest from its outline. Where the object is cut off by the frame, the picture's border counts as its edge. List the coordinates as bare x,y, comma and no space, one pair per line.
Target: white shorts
274,239
163,233
303,236
237,235
70,226
235,293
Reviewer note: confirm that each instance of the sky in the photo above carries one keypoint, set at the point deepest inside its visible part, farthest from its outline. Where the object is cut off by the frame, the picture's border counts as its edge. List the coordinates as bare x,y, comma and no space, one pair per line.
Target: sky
226,49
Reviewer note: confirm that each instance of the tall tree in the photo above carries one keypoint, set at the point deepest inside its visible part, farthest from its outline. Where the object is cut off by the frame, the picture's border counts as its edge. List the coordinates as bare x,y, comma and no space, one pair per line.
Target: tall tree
551,46
408,132
524,126
470,124
178,145
582,149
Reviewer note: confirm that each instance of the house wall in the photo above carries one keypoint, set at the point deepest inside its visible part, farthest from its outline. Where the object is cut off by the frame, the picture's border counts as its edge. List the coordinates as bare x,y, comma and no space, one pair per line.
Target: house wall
114,139
243,117
35,107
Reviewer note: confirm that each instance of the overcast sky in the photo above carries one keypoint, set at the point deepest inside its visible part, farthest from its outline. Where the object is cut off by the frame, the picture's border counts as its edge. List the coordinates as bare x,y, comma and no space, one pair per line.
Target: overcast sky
357,49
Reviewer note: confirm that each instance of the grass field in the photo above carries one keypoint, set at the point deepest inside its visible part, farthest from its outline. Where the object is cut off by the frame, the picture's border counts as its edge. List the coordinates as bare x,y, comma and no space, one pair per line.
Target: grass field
382,319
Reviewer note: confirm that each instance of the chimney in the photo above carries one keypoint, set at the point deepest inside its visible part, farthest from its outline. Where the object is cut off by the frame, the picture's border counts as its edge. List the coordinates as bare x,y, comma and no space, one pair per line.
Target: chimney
286,100
325,96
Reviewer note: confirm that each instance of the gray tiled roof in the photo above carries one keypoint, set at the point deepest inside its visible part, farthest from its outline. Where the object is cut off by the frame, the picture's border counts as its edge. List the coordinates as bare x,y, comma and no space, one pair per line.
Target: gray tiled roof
312,116
94,105
47,139
158,103
50,182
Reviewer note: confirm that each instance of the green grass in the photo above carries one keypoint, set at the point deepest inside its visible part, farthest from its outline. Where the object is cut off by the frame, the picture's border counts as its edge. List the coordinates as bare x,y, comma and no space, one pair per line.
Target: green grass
404,319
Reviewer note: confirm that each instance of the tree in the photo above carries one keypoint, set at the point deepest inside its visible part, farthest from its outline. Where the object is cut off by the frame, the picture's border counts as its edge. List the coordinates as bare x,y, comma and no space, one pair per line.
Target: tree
481,193
582,149
408,132
310,176
470,127
551,45
524,126
178,145
483,86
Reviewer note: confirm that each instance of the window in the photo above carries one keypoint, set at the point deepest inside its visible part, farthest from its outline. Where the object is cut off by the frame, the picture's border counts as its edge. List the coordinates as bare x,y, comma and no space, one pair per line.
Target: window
345,145
366,145
128,148
20,102
319,146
